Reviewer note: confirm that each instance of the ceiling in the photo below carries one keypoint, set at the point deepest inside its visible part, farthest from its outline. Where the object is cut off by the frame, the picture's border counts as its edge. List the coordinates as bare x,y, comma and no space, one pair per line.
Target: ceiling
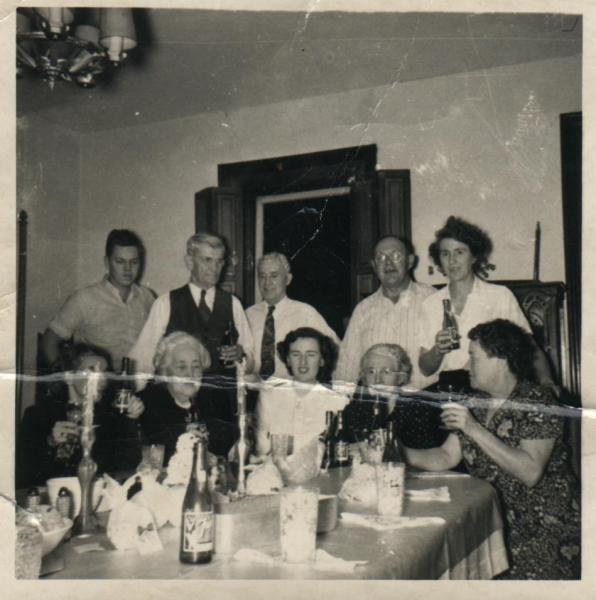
195,61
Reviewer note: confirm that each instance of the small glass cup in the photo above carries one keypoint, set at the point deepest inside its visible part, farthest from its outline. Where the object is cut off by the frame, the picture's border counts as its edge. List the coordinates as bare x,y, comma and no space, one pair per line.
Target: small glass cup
298,512
122,400
390,488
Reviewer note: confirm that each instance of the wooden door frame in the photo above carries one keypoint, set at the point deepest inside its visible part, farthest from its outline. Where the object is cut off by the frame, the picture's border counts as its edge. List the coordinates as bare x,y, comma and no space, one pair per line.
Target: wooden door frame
317,170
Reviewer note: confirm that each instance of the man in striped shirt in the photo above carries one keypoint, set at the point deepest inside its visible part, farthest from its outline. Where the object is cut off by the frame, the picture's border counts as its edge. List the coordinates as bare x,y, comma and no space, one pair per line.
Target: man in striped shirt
389,315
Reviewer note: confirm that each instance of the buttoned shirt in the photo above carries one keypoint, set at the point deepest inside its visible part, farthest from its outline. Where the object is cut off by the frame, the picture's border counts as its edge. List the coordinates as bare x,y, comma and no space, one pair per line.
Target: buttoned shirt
283,409
159,317
485,302
379,320
97,315
288,315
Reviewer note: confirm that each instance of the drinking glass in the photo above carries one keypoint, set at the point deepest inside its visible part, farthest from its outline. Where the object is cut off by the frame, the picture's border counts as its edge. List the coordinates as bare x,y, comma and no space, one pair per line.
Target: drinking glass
298,512
390,488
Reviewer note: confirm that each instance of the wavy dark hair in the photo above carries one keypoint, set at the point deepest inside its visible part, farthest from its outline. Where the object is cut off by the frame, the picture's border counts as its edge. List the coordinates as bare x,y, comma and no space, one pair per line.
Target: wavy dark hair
476,239
504,339
329,350
69,359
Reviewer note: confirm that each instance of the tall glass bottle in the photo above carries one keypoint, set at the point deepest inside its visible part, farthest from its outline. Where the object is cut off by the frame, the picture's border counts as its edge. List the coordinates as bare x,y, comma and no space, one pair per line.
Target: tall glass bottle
124,391
392,453
450,324
198,521
341,445
377,435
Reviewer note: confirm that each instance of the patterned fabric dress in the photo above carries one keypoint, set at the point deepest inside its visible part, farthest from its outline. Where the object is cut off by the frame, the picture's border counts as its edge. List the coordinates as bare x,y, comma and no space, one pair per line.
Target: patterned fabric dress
542,524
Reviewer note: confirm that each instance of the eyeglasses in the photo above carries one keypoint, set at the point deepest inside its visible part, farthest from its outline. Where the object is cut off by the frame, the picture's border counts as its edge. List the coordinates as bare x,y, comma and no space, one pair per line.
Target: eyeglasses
382,371
396,257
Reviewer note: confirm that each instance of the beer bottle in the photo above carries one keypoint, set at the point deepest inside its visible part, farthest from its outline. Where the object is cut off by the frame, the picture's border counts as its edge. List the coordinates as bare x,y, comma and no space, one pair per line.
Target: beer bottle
124,391
377,435
450,324
230,338
392,453
341,446
198,522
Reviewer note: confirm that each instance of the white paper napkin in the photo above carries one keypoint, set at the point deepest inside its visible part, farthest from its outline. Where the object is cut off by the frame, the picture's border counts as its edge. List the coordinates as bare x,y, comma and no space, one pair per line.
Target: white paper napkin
436,474
439,494
323,560
388,522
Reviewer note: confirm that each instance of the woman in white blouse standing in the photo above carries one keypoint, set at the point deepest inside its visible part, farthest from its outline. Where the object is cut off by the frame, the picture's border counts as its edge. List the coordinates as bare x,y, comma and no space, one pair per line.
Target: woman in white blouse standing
461,251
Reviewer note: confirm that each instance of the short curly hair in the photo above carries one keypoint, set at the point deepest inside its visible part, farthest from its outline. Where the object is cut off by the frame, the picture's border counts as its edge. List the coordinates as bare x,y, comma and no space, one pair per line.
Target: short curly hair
162,359
504,339
402,360
476,239
329,350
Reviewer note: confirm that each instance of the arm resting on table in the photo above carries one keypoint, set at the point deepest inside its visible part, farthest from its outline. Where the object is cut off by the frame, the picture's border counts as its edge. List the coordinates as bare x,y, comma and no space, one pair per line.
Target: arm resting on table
443,458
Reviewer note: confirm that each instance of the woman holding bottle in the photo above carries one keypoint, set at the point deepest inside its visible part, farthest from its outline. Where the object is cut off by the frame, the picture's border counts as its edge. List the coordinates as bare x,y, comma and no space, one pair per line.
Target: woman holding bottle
461,252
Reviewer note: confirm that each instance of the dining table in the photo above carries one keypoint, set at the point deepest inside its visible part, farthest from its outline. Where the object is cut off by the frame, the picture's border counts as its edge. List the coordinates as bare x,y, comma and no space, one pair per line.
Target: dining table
463,540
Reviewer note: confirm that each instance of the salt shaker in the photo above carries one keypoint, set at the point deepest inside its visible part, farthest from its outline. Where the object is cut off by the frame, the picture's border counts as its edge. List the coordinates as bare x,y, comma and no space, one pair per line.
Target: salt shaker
64,503
33,498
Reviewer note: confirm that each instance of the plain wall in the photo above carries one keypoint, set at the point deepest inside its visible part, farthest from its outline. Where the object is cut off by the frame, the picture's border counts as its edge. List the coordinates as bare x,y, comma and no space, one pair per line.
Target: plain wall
483,145
48,172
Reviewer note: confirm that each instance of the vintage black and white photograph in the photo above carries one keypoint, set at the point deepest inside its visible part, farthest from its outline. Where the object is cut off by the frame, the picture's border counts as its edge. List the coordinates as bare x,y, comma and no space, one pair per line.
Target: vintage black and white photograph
298,293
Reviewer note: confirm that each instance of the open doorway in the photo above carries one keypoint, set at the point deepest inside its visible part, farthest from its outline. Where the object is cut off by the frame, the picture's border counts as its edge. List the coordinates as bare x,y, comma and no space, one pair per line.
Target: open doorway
313,229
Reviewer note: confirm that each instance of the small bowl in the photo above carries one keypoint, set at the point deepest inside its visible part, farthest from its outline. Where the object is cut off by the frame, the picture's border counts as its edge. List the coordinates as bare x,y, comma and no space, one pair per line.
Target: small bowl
51,539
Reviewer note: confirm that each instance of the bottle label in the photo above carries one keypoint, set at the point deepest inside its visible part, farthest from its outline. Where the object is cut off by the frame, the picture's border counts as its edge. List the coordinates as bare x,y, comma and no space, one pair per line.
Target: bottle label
342,452
197,531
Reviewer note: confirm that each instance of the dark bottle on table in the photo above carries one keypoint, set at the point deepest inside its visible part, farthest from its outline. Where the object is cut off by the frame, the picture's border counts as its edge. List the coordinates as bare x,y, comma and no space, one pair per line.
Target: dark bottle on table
230,338
377,434
392,453
124,391
327,439
198,521
450,324
341,444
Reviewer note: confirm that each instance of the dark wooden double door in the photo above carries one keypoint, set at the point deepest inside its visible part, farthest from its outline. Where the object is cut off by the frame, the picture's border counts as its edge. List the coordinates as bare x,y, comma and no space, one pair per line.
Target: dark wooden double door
332,208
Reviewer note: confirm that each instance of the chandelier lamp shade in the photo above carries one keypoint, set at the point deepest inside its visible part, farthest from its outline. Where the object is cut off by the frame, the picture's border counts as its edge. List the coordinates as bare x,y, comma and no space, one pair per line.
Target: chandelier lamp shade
73,44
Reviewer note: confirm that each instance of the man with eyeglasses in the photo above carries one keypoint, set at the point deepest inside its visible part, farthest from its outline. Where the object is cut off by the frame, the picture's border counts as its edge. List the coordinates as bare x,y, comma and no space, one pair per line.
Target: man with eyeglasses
389,315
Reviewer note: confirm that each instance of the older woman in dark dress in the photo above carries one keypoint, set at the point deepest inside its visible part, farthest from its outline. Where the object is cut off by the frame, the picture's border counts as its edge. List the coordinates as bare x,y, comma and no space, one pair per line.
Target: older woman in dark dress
177,399
384,370
514,439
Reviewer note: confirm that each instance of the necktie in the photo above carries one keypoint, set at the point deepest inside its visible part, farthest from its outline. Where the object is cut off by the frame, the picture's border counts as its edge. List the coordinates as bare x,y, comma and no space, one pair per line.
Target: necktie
268,345
203,308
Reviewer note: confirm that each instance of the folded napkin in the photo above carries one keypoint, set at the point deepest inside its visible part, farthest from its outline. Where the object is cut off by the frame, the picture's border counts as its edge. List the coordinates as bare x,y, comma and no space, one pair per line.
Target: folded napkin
436,474
323,560
389,522
440,494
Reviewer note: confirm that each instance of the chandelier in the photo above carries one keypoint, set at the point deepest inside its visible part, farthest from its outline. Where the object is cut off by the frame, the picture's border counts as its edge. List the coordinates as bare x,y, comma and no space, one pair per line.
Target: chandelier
73,44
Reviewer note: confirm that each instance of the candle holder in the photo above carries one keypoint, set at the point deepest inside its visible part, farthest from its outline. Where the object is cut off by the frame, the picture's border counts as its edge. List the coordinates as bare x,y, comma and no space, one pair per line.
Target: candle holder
86,524
241,396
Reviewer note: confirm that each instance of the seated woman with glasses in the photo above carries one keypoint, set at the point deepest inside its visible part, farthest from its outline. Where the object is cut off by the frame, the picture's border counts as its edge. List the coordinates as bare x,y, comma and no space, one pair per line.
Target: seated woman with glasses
384,369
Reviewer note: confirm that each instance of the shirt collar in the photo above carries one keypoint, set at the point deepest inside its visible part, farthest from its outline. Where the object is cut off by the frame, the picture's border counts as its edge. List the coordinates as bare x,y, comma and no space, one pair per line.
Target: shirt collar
112,289
195,291
402,296
281,304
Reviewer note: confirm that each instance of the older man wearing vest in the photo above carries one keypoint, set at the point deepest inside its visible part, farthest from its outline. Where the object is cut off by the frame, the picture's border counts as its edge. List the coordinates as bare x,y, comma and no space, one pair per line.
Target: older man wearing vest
200,308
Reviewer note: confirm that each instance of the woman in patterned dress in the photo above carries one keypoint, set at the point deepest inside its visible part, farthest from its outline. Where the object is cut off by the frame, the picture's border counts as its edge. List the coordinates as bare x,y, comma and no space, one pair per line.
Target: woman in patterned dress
514,439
